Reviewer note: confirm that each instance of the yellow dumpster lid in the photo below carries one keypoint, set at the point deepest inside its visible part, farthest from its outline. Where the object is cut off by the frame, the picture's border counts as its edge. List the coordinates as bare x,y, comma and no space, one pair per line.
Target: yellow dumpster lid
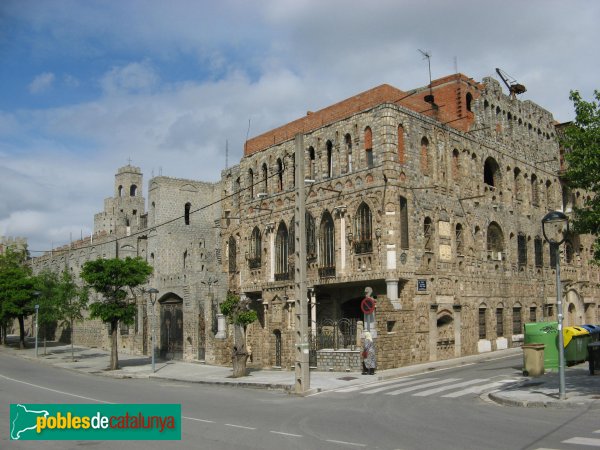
570,332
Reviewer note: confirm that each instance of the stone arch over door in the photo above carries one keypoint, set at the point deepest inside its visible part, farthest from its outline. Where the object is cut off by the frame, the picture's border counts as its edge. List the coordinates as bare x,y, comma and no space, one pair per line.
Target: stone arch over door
171,326
575,309
445,335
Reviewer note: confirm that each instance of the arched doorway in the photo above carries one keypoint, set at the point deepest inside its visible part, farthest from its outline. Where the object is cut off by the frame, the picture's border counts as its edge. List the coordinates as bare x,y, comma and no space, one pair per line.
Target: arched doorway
277,335
171,327
575,309
445,335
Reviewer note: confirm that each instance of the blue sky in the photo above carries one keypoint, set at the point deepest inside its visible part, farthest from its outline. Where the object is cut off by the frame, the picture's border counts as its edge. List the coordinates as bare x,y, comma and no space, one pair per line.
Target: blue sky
85,85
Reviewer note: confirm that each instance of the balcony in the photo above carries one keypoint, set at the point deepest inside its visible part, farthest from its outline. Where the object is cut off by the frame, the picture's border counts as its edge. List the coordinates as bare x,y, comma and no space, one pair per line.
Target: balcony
361,247
327,272
254,263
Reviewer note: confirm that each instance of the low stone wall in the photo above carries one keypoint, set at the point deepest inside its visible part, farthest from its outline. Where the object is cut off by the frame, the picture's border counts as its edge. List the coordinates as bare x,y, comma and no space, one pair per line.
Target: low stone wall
339,360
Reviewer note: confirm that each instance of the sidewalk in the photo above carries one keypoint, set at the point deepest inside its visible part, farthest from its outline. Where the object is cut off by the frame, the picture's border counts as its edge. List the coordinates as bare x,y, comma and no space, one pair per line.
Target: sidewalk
581,388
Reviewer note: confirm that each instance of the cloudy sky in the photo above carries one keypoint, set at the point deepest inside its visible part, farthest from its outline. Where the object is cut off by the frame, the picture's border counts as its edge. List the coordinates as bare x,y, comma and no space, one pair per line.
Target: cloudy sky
86,85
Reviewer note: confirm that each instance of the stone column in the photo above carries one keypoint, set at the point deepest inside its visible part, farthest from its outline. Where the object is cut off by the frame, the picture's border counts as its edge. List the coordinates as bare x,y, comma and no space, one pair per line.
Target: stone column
340,211
270,230
313,311
221,327
392,293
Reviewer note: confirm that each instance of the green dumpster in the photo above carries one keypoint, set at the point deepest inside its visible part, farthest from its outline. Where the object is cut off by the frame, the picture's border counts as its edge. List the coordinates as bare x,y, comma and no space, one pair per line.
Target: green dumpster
576,340
544,333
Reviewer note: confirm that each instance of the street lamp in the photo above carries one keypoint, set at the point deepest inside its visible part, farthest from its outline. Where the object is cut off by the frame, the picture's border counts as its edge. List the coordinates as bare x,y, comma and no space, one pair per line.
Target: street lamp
36,294
555,227
153,292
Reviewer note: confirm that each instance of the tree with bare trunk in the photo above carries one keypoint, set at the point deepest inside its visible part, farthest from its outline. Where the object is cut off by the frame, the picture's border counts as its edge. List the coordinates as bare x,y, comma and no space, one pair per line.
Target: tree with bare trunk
115,280
240,315
16,291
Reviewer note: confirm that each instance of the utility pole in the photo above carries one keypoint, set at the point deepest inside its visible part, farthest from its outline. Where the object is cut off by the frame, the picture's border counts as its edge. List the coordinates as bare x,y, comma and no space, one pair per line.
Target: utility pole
302,369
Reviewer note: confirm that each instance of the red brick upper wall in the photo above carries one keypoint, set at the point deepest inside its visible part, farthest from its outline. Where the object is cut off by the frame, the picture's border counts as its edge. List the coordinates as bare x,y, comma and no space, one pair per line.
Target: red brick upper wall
449,93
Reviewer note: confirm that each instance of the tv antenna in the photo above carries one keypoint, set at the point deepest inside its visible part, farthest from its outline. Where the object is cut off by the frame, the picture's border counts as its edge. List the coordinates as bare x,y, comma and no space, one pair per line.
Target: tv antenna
427,54
514,88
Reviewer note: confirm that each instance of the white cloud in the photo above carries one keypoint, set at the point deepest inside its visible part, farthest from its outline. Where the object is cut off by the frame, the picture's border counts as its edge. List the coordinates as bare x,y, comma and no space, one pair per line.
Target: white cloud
42,83
132,78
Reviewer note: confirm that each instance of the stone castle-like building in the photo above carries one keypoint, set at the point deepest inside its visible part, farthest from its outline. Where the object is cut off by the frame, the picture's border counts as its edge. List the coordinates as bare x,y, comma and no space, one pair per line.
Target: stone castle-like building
431,199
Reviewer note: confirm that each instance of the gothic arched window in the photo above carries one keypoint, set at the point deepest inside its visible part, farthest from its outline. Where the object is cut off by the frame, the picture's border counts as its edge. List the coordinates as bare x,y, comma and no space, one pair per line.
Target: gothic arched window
363,241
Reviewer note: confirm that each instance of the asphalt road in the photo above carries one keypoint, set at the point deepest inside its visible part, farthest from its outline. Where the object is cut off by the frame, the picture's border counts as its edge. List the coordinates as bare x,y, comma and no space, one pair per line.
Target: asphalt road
424,412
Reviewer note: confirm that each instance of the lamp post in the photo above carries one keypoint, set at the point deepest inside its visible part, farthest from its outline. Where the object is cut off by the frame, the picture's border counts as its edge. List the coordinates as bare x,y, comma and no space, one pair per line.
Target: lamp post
153,292
555,227
36,294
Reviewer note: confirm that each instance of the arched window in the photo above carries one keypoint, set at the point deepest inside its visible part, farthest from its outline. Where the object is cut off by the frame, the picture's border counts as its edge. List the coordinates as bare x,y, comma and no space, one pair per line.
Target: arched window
535,194
428,233
281,253
482,321
455,165
495,242
538,245
237,188
251,183
186,215
549,195
311,163
522,250
404,223
517,181
460,243
265,174
369,147
279,175
491,173
401,154
329,147
469,99
327,247
232,249
348,141
120,191
363,242
132,190
425,157
255,249
311,242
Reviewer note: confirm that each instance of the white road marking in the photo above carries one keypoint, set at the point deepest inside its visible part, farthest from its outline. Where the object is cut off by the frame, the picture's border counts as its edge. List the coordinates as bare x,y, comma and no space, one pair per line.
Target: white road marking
346,443
54,390
421,386
478,389
285,434
359,387
452,386
197,420
397,384
239,426
583,441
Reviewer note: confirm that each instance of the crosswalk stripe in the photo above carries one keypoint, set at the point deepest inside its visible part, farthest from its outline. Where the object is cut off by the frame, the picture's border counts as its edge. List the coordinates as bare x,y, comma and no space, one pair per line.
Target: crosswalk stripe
421,386
583,441
394,386
360,387
477,389
452,386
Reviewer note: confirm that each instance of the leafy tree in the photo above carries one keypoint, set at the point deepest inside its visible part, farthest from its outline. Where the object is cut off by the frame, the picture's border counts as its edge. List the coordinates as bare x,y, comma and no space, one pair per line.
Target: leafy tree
582,143
114,280
72,300
46,284
239,314
16,291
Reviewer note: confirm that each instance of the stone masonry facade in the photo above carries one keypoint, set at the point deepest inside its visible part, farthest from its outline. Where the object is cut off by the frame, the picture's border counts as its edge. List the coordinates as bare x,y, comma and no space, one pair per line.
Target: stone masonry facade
429,200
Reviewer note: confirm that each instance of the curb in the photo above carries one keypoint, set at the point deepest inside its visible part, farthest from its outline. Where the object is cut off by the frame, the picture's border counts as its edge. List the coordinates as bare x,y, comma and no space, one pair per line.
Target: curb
554,404
266,386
